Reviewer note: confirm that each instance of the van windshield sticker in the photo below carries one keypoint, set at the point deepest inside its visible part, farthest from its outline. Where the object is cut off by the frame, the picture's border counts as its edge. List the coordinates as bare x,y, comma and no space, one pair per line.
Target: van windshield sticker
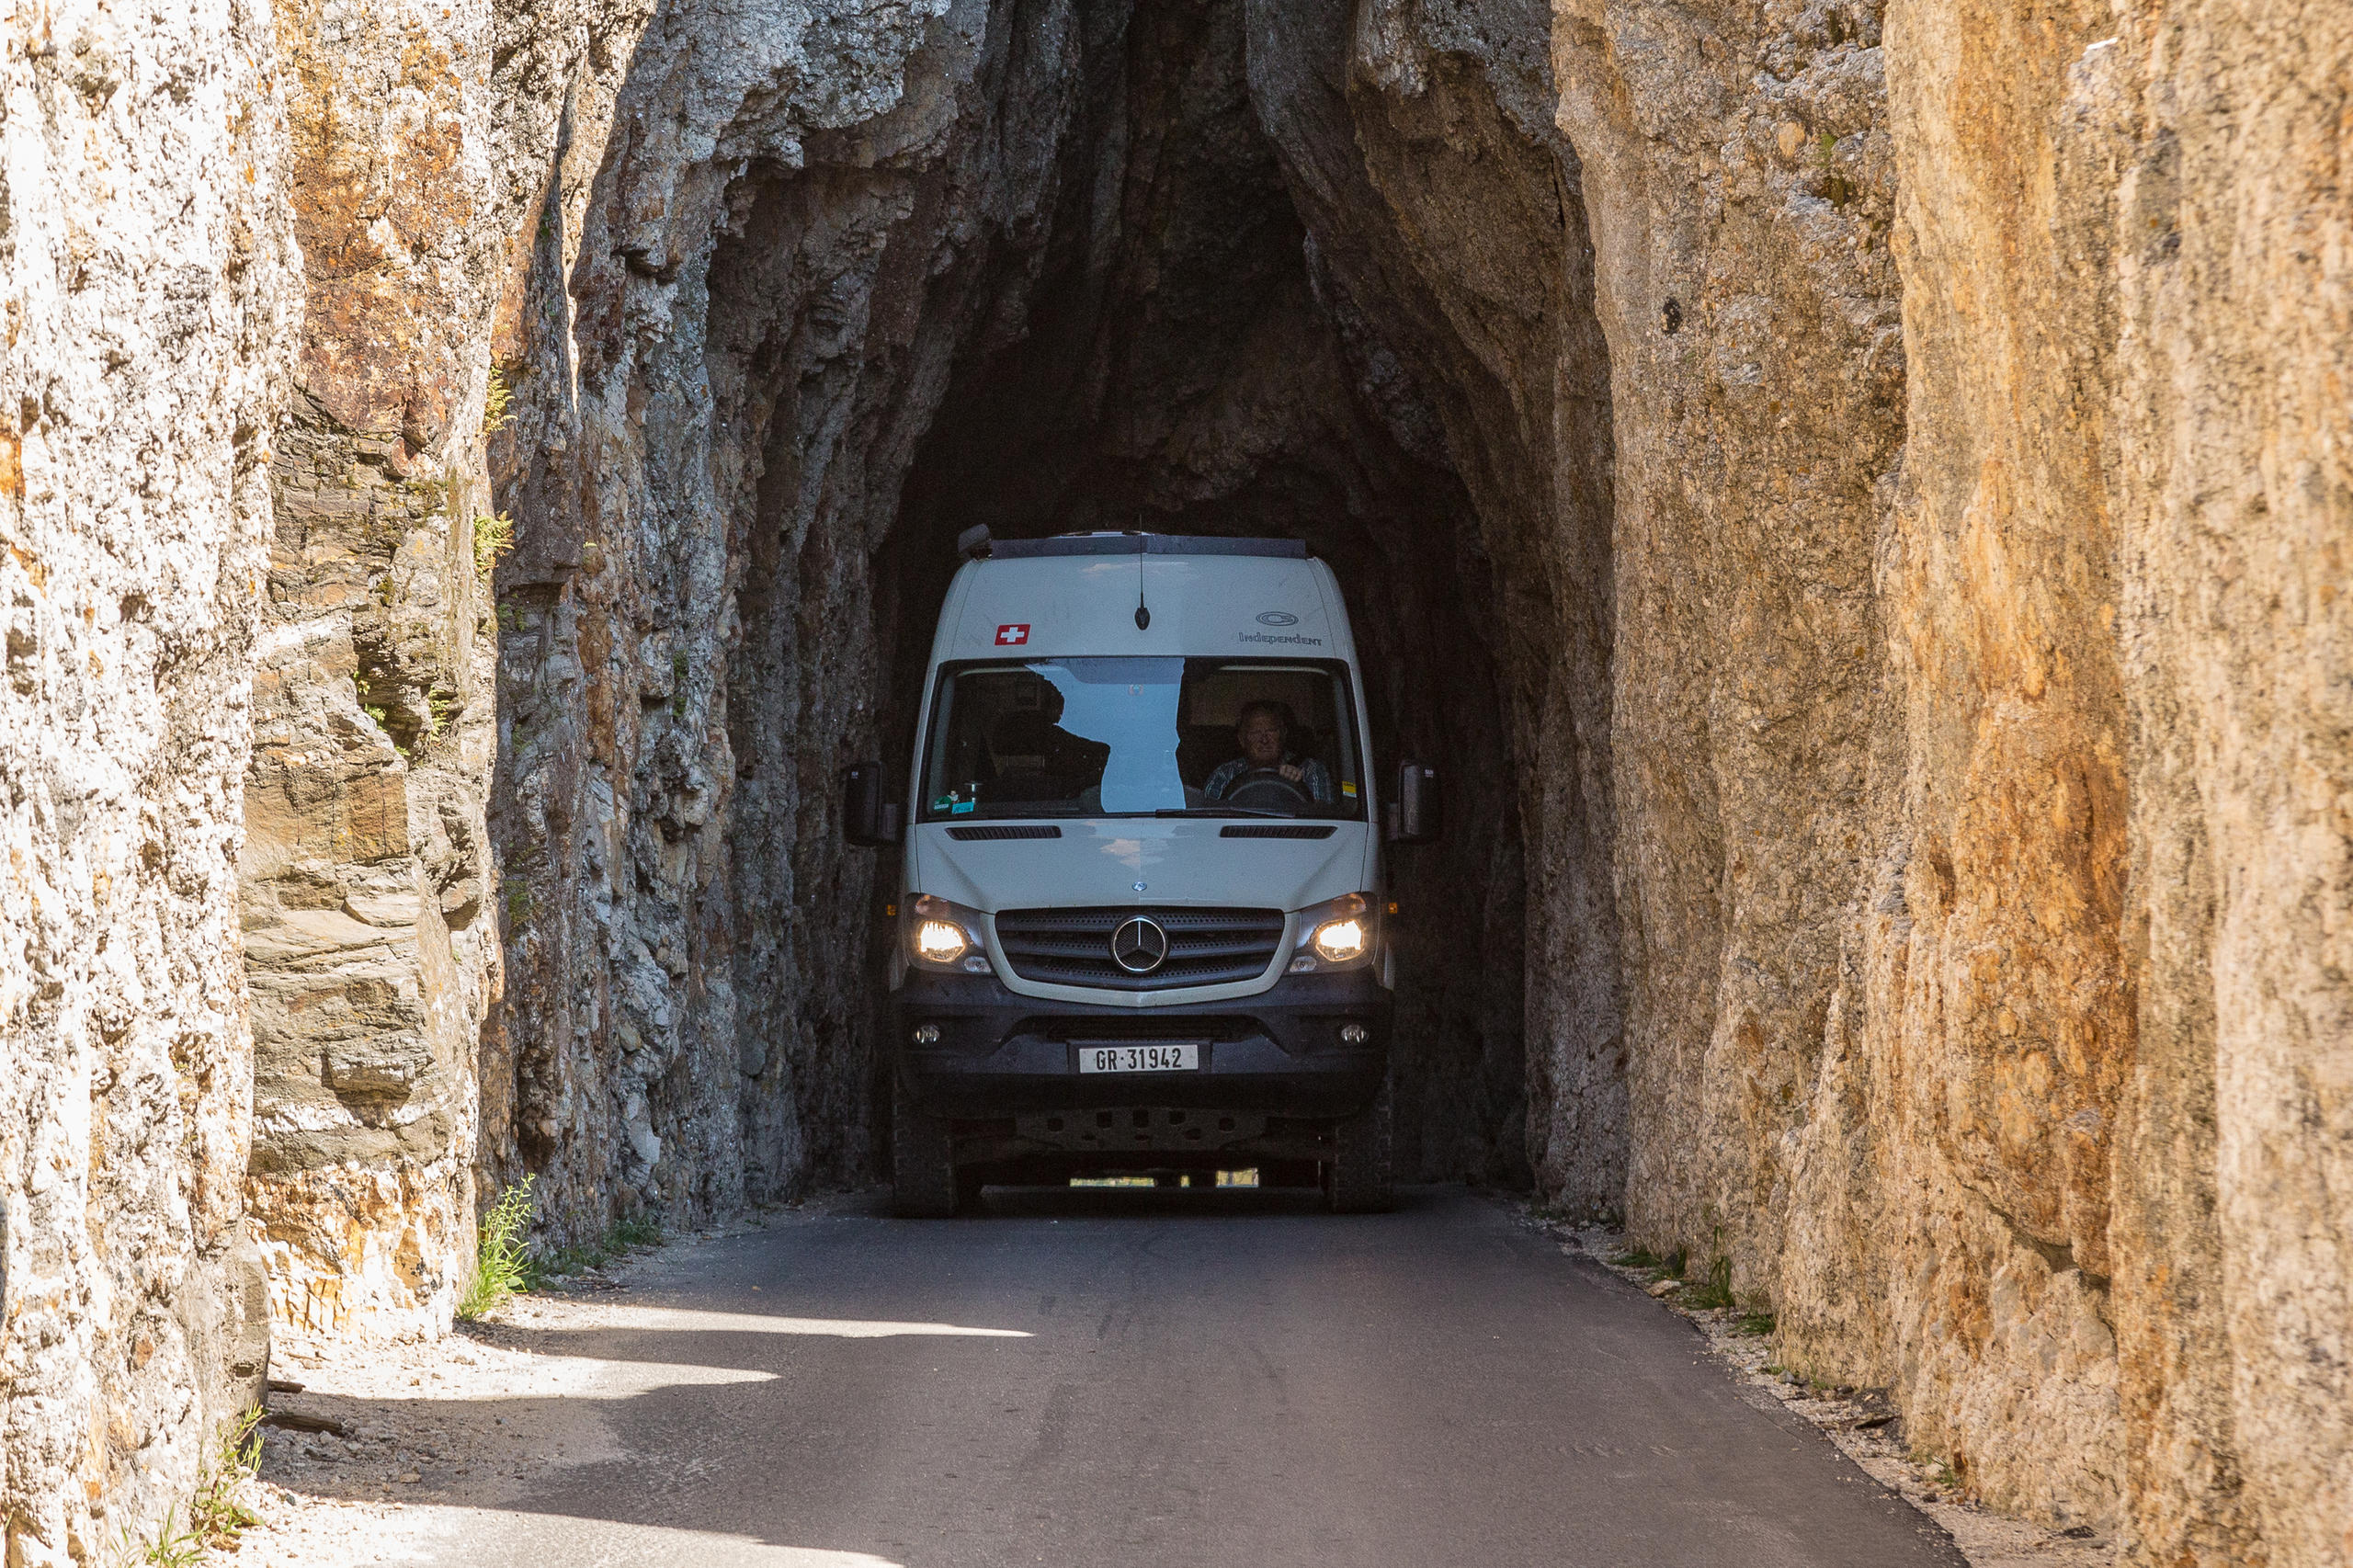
1012,634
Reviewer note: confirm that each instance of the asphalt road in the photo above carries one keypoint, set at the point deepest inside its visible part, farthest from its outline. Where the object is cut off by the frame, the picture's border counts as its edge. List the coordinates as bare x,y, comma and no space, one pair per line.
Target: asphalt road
1163,1378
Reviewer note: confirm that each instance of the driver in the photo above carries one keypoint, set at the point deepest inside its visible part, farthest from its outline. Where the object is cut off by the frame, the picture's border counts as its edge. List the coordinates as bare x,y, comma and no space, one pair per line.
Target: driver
1261,730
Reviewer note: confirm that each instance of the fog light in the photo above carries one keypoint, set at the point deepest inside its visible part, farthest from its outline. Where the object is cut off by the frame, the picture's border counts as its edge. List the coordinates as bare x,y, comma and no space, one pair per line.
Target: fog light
1352,1034
977,965
927,1034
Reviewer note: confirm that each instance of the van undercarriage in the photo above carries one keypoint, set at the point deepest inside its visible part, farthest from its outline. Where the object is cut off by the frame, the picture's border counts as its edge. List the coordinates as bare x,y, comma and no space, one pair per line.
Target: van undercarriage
1290,1082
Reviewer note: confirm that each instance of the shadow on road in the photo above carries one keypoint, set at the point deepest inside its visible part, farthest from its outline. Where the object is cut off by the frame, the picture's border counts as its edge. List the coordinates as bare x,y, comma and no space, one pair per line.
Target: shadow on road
1159,1378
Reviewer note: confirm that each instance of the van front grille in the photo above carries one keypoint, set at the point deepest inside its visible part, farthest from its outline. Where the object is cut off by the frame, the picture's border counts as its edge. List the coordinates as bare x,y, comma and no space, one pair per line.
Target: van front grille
1206,946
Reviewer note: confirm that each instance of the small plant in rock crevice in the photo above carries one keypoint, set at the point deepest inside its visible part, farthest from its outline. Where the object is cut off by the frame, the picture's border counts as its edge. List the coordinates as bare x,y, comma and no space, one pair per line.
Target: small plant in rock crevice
494,537
501,1266
174,1546
1640,1257
216,1517
1713,1288
639,1230
216,1514
497,405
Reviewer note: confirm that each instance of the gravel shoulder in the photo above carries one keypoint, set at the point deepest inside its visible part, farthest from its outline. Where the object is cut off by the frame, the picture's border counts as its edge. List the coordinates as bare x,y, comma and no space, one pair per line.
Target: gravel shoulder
360,1440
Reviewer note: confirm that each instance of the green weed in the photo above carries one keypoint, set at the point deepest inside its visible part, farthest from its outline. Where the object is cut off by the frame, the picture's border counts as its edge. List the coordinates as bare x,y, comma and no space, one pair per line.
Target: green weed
1757,1323
215,1517
502,1268
518,901
640,1229
497,405
216,1514
494,537
1638,1258
172,1546
1714,1290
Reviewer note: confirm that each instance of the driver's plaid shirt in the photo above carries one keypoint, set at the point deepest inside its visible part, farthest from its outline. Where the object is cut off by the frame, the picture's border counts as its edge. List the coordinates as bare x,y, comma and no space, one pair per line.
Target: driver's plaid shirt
1318,782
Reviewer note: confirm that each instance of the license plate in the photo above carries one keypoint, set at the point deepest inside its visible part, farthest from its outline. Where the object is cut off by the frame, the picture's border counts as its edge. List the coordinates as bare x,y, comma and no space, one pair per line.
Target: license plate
1162,1056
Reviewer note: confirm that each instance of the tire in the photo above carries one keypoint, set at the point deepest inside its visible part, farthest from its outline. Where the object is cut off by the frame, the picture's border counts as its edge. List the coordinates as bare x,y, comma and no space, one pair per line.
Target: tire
923,1162
1357,1177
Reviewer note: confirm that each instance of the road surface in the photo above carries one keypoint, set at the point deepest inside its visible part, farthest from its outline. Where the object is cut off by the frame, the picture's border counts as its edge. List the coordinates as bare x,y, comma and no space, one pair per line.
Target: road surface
1165,1380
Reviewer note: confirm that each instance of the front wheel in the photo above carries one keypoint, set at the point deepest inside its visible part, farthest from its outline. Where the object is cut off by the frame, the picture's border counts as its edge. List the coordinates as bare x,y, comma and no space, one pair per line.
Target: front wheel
1357,1178
922,1161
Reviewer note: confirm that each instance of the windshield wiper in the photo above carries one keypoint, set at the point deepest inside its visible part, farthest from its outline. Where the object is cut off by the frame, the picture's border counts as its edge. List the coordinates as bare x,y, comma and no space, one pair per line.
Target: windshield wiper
1219,811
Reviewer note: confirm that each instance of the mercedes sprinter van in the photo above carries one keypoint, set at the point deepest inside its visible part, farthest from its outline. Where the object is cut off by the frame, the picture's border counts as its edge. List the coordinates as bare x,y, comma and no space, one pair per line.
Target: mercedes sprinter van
1142,916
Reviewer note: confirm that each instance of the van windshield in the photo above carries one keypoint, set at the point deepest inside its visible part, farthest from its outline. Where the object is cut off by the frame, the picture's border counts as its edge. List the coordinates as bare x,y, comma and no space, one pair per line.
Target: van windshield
1138,736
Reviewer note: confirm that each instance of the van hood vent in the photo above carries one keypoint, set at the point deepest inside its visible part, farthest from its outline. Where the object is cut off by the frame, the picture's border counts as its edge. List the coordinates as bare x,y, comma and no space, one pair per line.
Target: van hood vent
1278,830
1005,830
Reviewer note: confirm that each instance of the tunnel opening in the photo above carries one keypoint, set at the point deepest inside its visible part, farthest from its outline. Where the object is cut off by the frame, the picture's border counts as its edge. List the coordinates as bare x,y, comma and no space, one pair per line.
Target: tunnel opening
1177,368
1173,266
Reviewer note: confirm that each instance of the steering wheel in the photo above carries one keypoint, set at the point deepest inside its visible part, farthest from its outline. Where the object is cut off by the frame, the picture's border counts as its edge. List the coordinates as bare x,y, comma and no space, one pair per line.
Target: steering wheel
1267,789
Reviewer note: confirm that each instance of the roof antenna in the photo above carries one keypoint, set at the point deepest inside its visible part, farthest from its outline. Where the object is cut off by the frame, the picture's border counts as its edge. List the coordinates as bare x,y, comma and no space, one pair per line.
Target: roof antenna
1143,615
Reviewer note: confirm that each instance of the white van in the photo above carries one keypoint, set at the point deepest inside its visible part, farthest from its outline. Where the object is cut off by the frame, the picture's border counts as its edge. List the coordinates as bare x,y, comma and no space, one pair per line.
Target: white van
1142,913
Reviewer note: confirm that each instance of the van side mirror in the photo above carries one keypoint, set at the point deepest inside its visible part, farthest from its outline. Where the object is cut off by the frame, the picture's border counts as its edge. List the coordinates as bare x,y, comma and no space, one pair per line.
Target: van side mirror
1413,814
868,820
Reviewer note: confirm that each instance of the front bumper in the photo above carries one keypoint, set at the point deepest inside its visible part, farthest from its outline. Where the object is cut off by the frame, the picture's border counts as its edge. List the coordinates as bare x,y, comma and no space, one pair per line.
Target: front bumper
1277,1053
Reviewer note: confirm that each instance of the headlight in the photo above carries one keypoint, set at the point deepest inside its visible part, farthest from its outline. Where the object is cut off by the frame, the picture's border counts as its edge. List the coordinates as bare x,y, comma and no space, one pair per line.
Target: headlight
1337,941
1337,935
940,941
944,938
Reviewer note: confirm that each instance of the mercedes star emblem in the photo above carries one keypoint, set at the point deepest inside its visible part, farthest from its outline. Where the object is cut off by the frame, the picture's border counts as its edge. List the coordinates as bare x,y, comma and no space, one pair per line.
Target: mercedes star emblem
1139,945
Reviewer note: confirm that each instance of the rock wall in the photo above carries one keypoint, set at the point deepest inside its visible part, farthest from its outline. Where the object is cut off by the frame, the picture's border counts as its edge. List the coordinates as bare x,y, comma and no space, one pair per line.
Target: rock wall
680,997
2231,489
1449,223
145,265
1976,947
366,872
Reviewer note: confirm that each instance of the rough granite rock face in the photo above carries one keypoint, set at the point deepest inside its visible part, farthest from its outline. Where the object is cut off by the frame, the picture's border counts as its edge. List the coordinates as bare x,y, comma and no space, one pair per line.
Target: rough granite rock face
367,871
143,290
2229,477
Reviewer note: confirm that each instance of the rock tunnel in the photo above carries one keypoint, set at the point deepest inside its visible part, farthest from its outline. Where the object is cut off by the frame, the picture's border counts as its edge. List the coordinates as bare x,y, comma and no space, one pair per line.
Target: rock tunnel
1851,494
1118,268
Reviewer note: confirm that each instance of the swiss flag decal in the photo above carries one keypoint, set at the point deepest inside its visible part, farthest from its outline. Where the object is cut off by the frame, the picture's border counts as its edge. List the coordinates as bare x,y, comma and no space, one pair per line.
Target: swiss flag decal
1013,636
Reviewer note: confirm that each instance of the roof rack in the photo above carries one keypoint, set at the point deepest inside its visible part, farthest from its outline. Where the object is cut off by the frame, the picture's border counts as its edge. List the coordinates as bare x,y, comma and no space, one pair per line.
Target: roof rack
974,544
